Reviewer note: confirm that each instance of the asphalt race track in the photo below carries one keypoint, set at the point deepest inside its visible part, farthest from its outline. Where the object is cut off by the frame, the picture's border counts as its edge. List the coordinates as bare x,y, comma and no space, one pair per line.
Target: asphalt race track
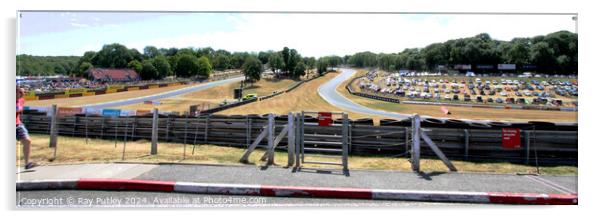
195,88
328,91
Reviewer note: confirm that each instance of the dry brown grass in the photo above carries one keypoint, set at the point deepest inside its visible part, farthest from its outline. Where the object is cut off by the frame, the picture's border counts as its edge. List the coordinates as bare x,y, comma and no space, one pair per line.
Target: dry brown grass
303,98
213,96
462,112
79,101
75,150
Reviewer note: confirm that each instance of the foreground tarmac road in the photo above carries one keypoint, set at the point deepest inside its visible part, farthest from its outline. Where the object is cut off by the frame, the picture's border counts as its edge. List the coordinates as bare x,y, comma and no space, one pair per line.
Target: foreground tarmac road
84,199
163,95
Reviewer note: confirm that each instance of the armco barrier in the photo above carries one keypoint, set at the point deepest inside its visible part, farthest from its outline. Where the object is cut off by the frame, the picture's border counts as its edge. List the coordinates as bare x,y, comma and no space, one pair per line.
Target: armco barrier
228,106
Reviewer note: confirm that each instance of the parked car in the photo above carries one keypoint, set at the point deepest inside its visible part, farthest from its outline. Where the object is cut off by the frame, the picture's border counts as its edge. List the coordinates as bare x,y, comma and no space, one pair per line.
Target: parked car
521,100
499,100
489,100
467,98
249,96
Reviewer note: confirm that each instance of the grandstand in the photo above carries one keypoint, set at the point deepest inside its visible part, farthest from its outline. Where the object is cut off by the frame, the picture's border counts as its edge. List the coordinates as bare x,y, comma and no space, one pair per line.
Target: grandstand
113,75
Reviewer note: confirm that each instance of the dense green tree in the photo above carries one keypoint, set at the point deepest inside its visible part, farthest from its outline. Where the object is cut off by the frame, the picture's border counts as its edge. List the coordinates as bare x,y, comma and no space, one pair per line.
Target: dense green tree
47,65
113,56
276,62
205,67
299,69
150,52
135,65
322,65
84,67
148,71
207,52
543,56
310,63
237,59
264,56
293,58
285,57
221,62
252,69
187,65
162,65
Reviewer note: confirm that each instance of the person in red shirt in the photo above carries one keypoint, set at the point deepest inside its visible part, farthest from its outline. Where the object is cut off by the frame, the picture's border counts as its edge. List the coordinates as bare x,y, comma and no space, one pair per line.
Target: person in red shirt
22,133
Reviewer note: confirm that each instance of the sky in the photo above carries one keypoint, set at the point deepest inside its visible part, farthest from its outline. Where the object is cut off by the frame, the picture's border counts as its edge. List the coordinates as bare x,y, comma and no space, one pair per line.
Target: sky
73,33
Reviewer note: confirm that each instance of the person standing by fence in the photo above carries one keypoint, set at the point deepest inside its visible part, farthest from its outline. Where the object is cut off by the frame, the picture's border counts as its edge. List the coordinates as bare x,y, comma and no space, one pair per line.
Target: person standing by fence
22,133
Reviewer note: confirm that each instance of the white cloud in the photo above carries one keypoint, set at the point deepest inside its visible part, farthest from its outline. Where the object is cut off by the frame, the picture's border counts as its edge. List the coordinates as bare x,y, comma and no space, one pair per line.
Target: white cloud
341,34
79,24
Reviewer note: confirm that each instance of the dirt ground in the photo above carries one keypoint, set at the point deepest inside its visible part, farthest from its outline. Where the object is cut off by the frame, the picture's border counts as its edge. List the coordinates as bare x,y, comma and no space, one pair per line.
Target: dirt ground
463,112
303,98
77,150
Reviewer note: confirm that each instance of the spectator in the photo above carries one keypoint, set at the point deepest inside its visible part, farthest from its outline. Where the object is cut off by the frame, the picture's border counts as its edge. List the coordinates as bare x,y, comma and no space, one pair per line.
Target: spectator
22,134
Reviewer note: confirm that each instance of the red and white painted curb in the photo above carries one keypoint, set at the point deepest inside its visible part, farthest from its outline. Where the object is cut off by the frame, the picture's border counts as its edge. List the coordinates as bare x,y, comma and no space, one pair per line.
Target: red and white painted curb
299,191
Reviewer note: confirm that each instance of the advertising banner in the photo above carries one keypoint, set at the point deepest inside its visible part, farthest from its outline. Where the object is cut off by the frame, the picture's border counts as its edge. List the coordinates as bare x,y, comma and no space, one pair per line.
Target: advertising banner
506,66
69,111
324,119
111,112
510,138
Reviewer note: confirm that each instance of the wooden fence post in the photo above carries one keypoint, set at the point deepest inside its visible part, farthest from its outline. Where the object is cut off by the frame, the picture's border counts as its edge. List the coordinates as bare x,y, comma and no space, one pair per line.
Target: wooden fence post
53,127
416,143
155,132
270,137
345,144
466,142
527,146
291,139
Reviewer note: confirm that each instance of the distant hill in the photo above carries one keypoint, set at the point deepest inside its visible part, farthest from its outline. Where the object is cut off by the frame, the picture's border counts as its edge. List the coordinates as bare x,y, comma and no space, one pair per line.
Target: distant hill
28,65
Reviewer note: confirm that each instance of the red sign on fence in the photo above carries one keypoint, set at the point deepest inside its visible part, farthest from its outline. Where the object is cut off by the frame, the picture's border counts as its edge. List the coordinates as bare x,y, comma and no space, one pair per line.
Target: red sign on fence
511,138
69,111
324,119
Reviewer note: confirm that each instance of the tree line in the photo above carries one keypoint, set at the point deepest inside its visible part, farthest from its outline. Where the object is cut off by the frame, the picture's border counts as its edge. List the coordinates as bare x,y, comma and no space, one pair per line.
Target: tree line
552,53
45,65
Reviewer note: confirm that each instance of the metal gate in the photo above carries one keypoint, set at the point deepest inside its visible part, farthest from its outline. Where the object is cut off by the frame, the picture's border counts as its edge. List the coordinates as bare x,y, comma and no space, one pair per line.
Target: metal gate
322,137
